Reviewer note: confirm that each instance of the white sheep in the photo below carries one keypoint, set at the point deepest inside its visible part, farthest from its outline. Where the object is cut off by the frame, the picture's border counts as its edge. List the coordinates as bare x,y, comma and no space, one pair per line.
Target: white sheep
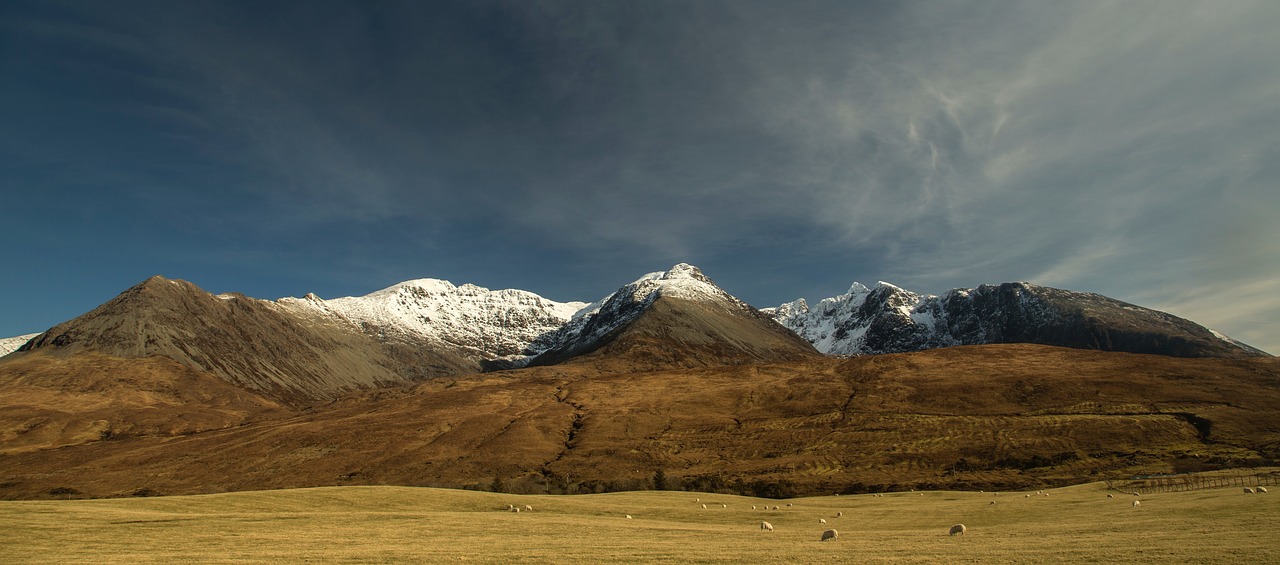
829,535
628,516
1137,503
839,514
753,507
822,520
724,505
788,505
1248,490
992,503
704,506
528,508
510,507
775,507
1111,496
1261,490
766,526
515,509
697,500
1026,496
957,529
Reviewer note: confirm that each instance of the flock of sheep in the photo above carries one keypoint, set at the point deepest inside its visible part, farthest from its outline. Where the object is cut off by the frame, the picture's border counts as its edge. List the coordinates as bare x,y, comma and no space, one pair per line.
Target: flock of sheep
832,533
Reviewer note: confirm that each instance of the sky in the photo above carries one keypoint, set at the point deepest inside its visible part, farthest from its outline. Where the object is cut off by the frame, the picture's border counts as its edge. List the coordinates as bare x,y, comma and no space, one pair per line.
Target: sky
788,148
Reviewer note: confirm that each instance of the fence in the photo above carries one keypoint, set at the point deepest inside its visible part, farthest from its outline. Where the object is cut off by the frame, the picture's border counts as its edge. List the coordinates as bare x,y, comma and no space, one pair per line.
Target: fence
1179,483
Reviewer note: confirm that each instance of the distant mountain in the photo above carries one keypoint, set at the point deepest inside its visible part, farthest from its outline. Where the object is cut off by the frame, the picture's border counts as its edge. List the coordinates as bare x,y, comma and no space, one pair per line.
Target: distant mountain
888,319
505,327
255,344
676,318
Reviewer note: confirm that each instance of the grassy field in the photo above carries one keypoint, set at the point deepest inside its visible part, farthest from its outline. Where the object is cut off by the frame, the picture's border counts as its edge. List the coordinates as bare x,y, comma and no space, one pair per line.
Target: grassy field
399,524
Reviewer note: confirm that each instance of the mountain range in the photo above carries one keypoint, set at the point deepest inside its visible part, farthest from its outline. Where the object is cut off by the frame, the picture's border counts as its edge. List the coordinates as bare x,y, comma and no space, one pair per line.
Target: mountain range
506,384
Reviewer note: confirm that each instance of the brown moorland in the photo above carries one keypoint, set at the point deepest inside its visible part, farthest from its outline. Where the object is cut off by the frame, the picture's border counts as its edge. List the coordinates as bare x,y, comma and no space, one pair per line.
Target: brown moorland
996,416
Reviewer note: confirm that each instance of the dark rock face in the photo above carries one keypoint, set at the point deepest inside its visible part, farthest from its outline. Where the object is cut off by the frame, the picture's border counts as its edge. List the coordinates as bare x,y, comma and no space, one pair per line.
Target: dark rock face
888,319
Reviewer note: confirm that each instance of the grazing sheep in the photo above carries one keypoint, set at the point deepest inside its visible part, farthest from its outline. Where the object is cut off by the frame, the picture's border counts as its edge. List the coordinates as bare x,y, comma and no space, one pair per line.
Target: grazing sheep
510,507
515,509
628,516
1111,496
1248,490
1261,490
697,500
957,529
753,507
528,508
922,494
1137,503
775,507
704,506
1039,492
992,503
766,526
788,505
829,535
724,505
822,520
1026,496
839,514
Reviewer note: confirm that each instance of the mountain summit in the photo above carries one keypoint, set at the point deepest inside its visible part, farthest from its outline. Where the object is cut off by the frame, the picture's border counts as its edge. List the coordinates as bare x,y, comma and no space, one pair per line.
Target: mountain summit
888,319
674,318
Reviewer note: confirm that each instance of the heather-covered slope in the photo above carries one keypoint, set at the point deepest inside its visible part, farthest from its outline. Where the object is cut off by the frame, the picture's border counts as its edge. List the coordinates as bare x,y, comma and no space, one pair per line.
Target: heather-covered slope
995,416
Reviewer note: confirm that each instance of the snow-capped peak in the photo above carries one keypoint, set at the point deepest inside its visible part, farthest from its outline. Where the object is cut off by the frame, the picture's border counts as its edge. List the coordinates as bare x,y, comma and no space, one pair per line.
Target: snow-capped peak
503,323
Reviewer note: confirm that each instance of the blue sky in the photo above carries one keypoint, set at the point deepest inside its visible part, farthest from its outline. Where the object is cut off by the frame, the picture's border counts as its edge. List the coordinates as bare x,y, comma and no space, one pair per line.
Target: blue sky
787,148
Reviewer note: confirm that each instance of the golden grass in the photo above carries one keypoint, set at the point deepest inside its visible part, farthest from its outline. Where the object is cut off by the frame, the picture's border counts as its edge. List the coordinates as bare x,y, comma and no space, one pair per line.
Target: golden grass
401,524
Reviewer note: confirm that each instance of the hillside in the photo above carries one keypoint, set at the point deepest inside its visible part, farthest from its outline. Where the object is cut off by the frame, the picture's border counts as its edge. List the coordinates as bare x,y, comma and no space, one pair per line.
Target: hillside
999,416
253,344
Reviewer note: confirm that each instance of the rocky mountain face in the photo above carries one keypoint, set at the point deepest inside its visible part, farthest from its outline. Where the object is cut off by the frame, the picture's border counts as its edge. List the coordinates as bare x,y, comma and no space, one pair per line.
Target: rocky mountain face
676,318
888,319
493,327
256,344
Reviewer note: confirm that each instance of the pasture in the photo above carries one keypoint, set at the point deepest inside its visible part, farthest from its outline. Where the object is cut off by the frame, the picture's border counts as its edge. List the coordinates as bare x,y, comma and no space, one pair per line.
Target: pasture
402,524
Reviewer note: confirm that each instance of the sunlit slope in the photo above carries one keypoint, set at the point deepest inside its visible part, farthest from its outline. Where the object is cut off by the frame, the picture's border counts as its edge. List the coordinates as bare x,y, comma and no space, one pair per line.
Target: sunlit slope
976,417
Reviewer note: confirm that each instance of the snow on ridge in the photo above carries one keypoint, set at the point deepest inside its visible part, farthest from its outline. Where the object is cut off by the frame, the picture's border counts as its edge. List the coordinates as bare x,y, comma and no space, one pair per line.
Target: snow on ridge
492,323
10,344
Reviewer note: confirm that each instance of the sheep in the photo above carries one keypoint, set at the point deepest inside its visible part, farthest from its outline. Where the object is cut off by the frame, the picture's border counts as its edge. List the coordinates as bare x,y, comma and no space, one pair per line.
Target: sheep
724,505
992,503
828,535
957,529
839,514
528,508
922,494
697,500
628,516
788,505
1248,490
766,526
1111,496
515,509
775,507
704,506
753,507
822,520
1261,490
1137,503
1026,496
510,507
1039,492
